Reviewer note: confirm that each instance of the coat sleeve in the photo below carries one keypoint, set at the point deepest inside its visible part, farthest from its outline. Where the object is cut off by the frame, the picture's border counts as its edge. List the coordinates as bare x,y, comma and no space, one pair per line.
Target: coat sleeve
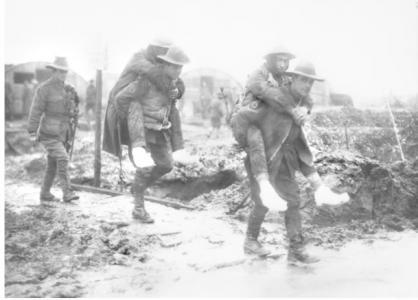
37,109
129,107
256,152
141,66
136,125
258,85
181,87
132,92
308,103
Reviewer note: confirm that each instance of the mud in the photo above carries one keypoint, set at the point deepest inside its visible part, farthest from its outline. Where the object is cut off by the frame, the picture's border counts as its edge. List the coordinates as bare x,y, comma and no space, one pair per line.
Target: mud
94,248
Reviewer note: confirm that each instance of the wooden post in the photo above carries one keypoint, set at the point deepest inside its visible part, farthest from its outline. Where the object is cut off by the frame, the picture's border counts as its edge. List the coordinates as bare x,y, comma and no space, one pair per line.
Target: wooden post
98,130
347,142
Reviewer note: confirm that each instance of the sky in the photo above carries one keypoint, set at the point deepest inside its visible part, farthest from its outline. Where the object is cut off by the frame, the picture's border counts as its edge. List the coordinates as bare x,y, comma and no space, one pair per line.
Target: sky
366,48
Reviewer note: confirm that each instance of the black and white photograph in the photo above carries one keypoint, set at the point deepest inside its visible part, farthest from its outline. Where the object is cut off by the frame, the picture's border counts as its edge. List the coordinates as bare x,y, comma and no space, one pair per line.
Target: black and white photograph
208,148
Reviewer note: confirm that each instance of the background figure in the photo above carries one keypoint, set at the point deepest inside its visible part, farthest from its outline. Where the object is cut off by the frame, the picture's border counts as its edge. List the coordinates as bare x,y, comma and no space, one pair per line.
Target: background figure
205,99
216,112
90,105
8,100
27,96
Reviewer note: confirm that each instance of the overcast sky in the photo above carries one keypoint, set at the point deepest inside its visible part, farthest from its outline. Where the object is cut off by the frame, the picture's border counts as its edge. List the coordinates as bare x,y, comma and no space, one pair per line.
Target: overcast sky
363,47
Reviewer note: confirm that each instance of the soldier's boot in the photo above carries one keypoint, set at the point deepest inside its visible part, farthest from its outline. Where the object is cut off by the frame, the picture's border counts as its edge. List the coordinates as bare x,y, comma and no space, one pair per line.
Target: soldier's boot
51,170
139,213
67,194
297,253
251,244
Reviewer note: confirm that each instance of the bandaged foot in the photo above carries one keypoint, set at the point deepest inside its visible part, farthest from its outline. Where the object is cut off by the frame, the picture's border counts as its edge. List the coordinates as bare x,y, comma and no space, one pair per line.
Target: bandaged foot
142,158
324,195
269,196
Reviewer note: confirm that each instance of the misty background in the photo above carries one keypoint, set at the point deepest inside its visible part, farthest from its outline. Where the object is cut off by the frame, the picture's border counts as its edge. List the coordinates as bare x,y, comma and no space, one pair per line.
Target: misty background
365,48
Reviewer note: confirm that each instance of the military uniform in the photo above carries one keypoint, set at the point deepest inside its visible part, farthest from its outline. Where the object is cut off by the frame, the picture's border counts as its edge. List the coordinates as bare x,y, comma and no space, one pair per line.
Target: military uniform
53,109
90,98
286,152
143,115
276,147
146,67
149,115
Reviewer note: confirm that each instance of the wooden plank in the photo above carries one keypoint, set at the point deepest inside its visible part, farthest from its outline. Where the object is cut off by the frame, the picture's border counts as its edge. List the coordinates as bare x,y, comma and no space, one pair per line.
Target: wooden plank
97,190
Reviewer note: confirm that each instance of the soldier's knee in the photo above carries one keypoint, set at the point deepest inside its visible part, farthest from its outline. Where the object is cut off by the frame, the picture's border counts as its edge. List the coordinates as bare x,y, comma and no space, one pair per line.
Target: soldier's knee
260,210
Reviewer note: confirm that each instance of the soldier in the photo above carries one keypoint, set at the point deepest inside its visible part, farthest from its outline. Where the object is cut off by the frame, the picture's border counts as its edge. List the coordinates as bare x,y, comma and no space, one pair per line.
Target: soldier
287,151
261,90
145,114
8,100
53,109
143,63
90,104
216,111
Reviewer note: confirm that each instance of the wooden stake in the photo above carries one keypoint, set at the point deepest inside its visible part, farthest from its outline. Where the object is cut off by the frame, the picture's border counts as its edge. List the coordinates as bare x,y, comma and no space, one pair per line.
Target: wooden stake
97,190
98,130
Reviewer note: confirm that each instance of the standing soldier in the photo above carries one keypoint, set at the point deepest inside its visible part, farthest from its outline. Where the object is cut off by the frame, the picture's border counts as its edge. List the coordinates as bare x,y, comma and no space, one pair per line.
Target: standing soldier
216,111
53,110
90,104
8,100
145,113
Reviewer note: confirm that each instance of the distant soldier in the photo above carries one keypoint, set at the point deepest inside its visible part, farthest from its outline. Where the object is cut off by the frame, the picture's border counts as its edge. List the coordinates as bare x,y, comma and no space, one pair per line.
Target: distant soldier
90,104
8,100
53,109
27,96
150,126
216,112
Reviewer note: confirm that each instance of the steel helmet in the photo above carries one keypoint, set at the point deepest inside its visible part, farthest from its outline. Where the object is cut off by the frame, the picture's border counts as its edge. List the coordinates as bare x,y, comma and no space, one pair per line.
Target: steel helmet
305,68
280,49
176,56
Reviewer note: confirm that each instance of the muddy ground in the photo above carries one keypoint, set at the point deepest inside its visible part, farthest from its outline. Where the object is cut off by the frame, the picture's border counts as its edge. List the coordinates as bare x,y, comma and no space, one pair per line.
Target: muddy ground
94,248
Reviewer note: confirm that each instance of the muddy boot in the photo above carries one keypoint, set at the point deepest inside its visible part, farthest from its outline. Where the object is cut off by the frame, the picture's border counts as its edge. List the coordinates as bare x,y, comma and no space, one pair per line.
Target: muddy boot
67,194
297,254
139,213
51,170
251,245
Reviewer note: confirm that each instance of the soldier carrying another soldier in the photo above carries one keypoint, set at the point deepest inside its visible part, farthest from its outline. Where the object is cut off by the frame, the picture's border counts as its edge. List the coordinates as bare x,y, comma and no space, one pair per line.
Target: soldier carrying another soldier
276,148
145,114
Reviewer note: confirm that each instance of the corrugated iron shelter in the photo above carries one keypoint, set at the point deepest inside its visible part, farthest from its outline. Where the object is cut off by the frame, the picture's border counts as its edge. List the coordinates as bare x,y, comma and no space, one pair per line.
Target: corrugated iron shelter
202,85
24,78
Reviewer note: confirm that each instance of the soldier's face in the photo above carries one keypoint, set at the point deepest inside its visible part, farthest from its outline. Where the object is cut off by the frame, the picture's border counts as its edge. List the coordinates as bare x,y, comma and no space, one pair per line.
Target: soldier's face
282,63
301,85
172,71
60,74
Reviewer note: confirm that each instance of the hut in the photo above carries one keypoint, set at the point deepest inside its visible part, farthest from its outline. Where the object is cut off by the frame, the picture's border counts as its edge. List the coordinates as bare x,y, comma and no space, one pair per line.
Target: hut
202,85
24,78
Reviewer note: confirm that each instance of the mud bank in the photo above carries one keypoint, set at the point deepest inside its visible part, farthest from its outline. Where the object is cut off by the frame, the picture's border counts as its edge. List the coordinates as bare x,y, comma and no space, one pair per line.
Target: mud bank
94,248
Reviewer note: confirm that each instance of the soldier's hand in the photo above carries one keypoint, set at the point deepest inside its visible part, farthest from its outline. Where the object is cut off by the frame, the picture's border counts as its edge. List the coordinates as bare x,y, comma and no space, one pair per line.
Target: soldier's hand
142,158
173,93
183,157
300,115
269,197
324,195
33,137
